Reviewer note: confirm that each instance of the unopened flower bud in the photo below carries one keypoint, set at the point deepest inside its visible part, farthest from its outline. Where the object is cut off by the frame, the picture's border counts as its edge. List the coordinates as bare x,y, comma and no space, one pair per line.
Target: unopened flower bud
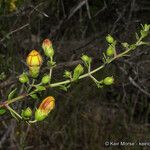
109,39
67,74
48,48
78,71
27,113
125,44
110,51
45,108
34,59
108,80
45,79
86,59
23,78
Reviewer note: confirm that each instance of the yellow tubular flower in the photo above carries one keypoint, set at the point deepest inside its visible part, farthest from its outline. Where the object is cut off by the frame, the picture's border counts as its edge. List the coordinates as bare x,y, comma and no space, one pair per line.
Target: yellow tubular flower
34,59
45,108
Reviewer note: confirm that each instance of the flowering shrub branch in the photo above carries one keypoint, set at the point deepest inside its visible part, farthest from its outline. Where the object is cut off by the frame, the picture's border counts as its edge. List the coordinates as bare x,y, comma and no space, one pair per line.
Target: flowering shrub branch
34,62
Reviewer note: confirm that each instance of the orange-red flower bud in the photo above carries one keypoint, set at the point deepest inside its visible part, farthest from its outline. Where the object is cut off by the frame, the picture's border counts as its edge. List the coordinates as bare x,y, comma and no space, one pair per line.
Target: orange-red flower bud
45,108
47,104
48,48
47,43
34,59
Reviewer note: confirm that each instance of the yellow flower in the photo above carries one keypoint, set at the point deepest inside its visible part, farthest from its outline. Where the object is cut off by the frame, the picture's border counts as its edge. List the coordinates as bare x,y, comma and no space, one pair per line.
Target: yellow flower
12,7
34,59
45,108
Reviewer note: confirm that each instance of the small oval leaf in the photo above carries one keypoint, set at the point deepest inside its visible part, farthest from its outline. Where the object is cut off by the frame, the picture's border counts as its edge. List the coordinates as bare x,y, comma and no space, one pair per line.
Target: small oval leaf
40,88
12,94
34,96
2,111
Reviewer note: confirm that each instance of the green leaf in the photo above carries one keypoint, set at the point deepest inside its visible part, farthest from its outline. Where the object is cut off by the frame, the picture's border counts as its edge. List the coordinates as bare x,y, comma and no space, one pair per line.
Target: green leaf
77,72
144,33
63,87
34,96
40,88
146,27
12,94
51,63
137,36
2,111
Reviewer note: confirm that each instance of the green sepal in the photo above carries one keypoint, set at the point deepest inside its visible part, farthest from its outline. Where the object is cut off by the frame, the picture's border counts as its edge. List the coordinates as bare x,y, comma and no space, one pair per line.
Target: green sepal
39,115
51,64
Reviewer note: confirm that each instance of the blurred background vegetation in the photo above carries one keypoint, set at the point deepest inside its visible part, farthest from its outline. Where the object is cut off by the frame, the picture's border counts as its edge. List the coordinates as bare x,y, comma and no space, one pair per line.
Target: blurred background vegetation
85,117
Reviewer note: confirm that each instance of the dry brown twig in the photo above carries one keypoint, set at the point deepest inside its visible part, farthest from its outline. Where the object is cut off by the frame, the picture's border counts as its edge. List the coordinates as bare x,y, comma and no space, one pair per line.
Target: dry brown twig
14,31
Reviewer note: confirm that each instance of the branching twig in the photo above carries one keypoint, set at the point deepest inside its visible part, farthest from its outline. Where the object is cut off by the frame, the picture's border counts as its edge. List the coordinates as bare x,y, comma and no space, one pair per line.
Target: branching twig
12,32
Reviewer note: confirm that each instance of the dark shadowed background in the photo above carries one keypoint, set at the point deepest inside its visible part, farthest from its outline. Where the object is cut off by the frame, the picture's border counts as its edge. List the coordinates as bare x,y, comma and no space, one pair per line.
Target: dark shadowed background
85,117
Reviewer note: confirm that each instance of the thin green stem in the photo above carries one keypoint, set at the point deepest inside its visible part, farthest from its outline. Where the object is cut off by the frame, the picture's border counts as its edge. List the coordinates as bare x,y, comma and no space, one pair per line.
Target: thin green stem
90,75
34,121
99,68
16,99
7,102
32,85
138,43
50,74
13,111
